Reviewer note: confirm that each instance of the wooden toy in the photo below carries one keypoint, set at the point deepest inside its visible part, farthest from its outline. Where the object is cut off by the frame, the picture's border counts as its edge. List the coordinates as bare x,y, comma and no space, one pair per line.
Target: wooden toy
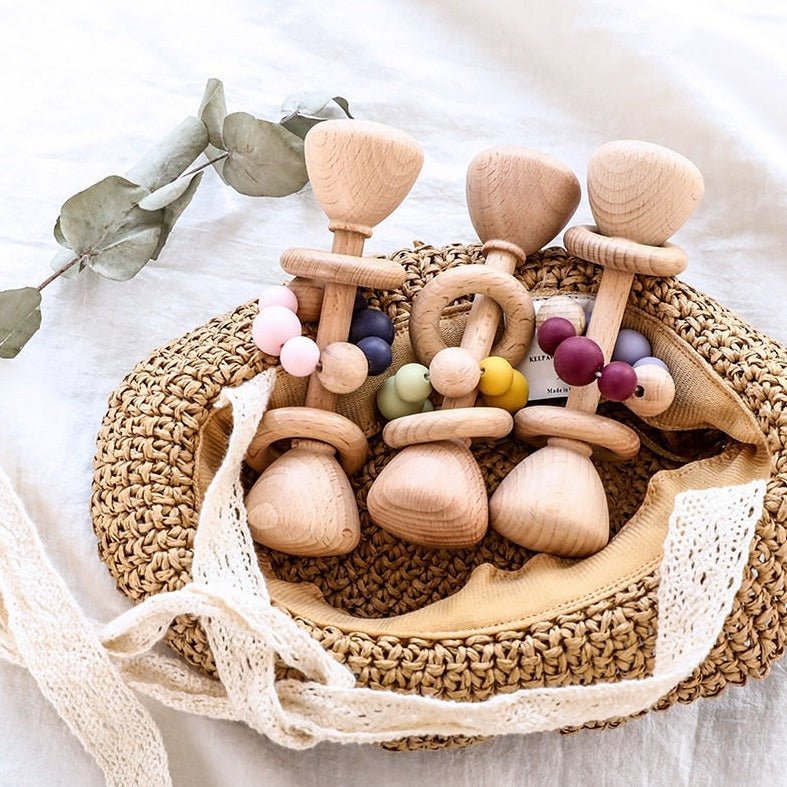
302,502
553,501
432,492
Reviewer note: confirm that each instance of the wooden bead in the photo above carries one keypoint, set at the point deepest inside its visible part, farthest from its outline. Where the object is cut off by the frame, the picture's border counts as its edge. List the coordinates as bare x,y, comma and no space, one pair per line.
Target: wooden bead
655,391
343,368
565,307
454,372
309,294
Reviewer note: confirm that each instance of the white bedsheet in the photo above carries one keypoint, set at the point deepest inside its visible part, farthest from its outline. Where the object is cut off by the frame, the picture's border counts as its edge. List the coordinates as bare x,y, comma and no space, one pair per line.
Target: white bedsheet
87,86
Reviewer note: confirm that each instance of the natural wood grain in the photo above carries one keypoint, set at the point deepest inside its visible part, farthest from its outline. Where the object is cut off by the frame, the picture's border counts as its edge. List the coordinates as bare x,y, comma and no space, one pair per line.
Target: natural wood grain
456,424
655,391
342,269
285,423
642,192
304,505
562,306
576,425
343,368
455,372
411,499
515,300
553,502
309,294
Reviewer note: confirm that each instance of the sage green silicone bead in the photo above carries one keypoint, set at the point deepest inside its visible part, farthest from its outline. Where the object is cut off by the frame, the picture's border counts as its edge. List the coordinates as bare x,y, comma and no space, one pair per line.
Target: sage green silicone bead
391,405
412,382
428,406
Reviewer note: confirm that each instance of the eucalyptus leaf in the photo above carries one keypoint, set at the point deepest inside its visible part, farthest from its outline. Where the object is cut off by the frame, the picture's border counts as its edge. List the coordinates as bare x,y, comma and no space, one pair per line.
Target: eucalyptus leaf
166,195
212,111
172,156
58,233
173,210
61,259
20,318
105,224
265,160
305,110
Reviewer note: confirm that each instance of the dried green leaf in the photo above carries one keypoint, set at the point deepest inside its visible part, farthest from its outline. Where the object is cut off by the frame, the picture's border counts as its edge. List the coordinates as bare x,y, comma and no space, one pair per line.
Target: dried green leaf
61,259
173,210
58,233
304,110
265,160
212,111
105,224
166,194
20,318
172,156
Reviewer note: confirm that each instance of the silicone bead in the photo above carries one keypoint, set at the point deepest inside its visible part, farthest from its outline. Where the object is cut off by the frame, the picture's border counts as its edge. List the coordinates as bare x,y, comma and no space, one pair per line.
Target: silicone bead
428,406
630,347
371,322
454,372
578,360
273,326
299,356
514,398
554,331
618,381
278,295
343,368
649,360
497,375
390,405
564,307
412,382
378,354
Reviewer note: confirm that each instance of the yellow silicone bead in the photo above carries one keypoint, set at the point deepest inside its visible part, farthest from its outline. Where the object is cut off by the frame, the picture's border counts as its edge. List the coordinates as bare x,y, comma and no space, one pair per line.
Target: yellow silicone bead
496,376
514,398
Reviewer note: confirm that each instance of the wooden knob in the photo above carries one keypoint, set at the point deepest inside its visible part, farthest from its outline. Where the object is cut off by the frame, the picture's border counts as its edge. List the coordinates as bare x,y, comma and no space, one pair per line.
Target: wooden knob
642,192
343,368
520,196
655,391
454,372
360,171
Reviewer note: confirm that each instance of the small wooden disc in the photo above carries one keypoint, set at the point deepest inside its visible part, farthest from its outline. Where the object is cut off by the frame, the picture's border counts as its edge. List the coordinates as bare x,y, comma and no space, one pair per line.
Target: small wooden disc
501,287
343,368
655,391
577,425
459,423
335,430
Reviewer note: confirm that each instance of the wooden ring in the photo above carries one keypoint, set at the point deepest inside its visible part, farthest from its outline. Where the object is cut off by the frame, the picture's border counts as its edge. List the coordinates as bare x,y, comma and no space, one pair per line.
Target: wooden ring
325,266
285,423
459,423
511,296
577,425
587,243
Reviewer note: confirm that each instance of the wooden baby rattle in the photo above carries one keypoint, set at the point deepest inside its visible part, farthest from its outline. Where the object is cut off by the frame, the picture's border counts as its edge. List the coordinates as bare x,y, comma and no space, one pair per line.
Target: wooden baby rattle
432,492
302,502
553,501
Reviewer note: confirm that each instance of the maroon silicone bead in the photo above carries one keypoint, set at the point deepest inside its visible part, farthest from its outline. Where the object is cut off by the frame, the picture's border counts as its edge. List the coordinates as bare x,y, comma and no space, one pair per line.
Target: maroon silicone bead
618,381
554,331
578,360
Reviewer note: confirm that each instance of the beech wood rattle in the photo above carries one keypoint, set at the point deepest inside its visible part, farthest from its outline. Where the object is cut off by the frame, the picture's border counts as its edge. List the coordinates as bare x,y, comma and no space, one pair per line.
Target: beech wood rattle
432,492
553,501
302,502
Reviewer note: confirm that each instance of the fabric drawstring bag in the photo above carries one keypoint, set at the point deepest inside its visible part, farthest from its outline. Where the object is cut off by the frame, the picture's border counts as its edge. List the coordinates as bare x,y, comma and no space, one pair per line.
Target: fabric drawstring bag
301,664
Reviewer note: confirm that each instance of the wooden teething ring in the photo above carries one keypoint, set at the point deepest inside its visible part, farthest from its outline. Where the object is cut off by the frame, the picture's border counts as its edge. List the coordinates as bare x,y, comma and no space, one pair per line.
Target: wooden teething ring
575,425
512,297
285,423
458,424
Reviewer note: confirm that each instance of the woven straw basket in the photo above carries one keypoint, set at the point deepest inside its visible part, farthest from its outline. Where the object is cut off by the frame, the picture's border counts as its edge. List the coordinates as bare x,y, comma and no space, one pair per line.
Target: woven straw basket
384,610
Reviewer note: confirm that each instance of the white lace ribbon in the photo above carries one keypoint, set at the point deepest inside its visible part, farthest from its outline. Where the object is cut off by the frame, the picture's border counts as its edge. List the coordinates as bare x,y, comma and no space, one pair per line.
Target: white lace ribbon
88,673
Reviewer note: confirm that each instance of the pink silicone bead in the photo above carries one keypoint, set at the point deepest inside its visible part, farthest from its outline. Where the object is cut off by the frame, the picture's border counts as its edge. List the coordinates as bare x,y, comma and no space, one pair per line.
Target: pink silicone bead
278,295
299,356
273,326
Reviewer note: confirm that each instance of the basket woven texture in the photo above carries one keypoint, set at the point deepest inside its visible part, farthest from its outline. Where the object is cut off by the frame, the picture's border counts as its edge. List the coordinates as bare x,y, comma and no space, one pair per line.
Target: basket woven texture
146,498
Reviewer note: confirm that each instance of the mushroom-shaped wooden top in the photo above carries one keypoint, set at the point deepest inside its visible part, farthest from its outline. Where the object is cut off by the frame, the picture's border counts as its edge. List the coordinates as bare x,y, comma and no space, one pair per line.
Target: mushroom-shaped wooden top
520,196
360,171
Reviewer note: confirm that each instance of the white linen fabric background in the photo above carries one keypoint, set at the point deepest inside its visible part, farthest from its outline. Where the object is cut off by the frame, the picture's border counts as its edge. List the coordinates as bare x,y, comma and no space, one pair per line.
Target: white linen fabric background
88,86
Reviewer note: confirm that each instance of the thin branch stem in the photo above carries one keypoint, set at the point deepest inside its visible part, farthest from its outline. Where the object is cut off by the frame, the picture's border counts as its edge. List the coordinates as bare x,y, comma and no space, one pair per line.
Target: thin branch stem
204,166
59,272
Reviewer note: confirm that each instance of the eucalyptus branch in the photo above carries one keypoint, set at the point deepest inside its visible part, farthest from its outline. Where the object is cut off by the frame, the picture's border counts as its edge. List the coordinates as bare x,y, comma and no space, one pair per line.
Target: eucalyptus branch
60,271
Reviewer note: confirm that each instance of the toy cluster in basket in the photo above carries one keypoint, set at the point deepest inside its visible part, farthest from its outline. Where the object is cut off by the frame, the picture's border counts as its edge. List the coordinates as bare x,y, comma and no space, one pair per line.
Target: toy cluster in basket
432,492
